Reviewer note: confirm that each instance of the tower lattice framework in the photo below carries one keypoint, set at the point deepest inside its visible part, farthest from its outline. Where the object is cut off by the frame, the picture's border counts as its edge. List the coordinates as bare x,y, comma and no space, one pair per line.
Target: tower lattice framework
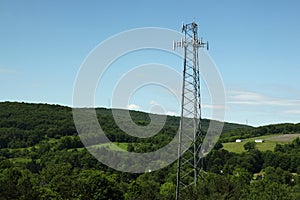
190,134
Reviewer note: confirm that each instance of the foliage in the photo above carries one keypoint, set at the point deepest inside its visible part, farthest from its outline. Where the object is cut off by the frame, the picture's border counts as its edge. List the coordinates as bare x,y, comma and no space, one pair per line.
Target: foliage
249,146
42,157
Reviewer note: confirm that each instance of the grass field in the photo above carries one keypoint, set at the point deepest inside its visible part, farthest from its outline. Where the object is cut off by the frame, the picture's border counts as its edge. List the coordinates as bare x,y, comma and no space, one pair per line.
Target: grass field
116,146
269,143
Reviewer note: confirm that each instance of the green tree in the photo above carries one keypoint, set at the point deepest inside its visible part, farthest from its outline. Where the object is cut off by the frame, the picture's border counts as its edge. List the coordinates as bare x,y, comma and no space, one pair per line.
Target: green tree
218,145
249,146
92,184
167,191
265,190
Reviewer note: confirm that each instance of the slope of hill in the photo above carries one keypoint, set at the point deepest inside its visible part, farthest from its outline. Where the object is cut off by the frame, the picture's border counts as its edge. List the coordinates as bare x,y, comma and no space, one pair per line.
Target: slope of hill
249,132
42,157
25,124
270,142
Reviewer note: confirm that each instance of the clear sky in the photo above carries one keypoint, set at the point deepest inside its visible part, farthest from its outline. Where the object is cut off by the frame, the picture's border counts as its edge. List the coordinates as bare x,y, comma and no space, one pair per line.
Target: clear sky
255,45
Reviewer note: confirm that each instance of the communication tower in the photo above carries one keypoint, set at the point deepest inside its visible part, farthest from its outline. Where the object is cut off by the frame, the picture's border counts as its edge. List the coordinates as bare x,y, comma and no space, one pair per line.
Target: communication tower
190,134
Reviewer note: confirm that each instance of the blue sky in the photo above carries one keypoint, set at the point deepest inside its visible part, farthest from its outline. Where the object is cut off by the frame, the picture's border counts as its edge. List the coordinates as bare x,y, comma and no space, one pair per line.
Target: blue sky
255,45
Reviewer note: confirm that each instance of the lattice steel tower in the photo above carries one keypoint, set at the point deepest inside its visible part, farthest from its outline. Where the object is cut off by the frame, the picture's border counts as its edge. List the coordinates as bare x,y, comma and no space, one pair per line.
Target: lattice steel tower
190,134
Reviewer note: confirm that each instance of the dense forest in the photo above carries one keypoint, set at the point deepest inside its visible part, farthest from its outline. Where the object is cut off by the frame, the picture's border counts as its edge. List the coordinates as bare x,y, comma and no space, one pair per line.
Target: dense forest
42,157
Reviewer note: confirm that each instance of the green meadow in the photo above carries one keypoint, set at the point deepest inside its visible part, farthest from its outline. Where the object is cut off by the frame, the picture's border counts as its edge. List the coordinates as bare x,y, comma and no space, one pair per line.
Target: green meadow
269,143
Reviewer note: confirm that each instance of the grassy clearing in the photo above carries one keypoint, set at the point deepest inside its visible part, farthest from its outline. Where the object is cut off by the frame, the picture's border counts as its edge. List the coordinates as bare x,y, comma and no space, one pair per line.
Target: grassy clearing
20,160
118,145
284,137
115,146
269,143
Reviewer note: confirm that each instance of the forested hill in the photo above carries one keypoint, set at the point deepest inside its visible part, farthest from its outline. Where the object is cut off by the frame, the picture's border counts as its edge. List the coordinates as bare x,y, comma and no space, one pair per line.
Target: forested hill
42,157
26,124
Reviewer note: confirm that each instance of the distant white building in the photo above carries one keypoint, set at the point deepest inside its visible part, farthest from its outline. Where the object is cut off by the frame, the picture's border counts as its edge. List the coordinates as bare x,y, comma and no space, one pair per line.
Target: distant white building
238,140
259,141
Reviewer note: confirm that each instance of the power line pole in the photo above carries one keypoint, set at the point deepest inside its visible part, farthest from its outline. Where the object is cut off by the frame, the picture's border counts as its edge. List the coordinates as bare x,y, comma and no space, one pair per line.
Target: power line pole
190,134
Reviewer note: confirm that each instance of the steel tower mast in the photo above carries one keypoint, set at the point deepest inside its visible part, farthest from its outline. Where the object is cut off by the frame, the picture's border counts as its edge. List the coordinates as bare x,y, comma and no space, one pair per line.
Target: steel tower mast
190,134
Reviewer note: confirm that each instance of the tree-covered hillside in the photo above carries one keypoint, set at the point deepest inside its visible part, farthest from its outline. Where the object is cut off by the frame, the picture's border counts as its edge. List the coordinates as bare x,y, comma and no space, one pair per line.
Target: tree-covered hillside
42,157
25,125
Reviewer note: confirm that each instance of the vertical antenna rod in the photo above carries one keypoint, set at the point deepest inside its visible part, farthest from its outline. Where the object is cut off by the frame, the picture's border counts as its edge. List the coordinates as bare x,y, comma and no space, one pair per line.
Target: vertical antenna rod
190,134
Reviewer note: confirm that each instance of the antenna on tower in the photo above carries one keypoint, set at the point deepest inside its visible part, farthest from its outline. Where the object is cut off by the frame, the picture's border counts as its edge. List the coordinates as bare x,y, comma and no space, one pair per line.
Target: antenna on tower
189,160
